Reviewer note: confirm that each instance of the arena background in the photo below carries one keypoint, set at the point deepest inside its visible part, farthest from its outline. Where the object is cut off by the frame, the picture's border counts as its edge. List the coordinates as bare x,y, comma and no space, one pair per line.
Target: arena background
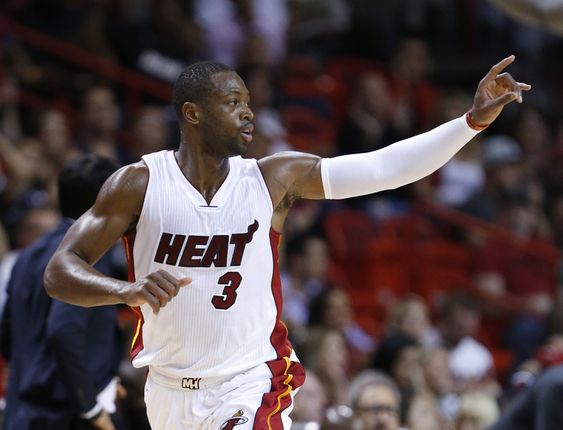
395,281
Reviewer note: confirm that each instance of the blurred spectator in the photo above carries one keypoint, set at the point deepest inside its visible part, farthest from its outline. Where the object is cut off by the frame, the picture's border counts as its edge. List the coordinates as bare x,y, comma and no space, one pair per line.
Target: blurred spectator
439,381
63,358
303,279
470,362
398,356
35,223
324,352
10,121
100,122
55,134
532,131
332,309
317,26
165,37
149,134
310,402
236,32
411,67
505,177
423,413
537,407
376,401
477,411
518,283
373,119
409,317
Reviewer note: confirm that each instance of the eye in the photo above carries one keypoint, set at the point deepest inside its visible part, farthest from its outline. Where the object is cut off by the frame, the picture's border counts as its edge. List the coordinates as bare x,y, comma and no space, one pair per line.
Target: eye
233,102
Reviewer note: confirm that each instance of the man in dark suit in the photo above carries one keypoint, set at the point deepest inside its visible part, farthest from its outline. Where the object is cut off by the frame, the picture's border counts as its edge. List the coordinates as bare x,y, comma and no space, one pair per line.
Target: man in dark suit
63,358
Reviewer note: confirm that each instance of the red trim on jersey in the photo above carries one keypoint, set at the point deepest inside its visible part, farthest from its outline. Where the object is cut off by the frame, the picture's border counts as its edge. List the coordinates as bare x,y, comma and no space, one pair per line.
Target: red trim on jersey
286,375
137,343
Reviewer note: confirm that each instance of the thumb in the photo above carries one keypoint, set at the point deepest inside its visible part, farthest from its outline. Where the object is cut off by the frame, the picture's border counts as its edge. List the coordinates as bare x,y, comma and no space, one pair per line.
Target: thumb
504,100
185,282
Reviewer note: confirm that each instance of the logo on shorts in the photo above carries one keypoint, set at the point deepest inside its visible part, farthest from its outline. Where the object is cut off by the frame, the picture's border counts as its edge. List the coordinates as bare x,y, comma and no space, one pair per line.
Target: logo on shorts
191,383
237,419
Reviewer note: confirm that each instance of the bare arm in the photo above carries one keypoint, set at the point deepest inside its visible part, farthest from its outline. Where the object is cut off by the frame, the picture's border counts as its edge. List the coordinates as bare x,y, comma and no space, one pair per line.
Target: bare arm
70,275
291,176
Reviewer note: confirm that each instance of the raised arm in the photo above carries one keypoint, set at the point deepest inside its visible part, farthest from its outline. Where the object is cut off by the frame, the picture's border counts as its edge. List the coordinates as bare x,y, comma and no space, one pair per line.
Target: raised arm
293,175
70,275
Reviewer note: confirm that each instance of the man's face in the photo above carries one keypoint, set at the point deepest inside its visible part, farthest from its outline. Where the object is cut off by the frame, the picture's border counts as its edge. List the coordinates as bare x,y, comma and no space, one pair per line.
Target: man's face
226,116
378,408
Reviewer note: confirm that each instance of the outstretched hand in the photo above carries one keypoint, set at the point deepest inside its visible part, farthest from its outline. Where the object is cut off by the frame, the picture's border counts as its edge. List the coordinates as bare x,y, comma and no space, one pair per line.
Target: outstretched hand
495,91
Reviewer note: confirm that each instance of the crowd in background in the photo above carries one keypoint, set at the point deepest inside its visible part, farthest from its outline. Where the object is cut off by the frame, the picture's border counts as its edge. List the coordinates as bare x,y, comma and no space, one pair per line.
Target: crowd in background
331,77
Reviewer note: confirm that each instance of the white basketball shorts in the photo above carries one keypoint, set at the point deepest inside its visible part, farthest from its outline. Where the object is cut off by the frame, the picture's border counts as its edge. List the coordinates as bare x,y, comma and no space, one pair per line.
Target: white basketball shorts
260,399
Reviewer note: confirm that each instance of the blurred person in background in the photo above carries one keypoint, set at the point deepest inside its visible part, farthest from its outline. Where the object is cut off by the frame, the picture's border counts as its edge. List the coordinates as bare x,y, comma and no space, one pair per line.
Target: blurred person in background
56,136
63,358
149,132
331,309
100,122
376,401
310,402
518,283
324,351
411,67
536,391
470,362
373,117
317,27
304,277
398,357
10,117
409,317
477,411
439,381
34,223
237,32
534,134
505,176
423,414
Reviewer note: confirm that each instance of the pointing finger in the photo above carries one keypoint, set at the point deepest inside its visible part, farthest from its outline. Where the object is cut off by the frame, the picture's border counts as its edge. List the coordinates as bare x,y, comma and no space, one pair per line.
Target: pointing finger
499,67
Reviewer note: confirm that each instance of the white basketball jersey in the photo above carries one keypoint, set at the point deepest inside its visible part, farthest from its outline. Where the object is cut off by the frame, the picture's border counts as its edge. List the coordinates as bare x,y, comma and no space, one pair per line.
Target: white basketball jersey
228,319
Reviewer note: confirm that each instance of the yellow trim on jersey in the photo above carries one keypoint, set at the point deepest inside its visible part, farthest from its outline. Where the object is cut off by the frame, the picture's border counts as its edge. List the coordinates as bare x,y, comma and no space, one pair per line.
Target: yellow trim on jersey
137,330
284,394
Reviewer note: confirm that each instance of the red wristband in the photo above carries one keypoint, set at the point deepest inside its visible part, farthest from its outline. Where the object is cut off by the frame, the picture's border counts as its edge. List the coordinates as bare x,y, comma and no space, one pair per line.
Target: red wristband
473,124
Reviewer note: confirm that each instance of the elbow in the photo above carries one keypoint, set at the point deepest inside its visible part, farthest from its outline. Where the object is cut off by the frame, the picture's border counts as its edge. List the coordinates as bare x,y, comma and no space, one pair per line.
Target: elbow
50,282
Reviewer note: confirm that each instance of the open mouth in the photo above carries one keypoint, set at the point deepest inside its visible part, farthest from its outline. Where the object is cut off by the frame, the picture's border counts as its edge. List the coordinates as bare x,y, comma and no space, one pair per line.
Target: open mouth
247,133
247,136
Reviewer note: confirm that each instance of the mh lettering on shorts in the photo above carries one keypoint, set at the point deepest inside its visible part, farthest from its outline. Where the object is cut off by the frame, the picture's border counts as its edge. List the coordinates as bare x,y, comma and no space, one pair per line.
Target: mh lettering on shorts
203,251
191,383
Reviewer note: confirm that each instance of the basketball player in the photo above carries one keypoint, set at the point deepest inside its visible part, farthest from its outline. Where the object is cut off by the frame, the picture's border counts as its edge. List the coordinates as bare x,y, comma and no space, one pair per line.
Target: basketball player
201,227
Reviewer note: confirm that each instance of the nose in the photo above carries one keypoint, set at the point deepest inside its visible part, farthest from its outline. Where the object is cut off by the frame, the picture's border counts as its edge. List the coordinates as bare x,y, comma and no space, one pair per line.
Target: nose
247,114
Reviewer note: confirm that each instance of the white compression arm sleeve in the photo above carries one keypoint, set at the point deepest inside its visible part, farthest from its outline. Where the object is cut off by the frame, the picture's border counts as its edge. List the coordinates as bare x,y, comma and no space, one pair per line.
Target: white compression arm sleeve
393,166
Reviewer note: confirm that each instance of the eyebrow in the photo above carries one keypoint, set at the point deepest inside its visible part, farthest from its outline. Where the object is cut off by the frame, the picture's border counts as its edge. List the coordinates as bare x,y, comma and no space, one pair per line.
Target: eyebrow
230,91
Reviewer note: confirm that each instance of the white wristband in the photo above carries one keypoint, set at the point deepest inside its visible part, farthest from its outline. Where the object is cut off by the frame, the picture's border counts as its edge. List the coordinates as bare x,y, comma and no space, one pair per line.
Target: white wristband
396,165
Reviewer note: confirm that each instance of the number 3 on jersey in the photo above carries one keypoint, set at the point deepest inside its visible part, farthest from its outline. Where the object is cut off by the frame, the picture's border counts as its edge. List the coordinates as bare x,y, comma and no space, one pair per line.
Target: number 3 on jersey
231,281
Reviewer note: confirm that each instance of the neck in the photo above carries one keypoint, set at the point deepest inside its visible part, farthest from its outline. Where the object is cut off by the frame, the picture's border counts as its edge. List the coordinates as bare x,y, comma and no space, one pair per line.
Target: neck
206,172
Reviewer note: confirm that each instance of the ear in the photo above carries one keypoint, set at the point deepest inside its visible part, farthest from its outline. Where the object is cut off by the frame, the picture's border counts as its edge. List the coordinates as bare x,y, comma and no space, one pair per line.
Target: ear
190,113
